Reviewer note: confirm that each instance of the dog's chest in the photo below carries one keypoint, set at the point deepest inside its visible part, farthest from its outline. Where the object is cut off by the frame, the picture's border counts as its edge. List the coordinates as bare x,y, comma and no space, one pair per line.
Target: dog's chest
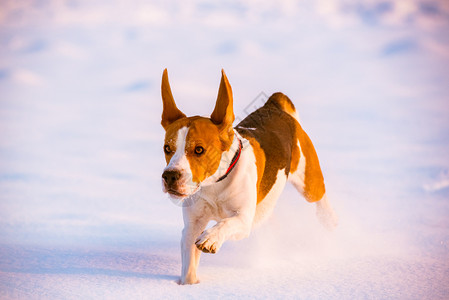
217,204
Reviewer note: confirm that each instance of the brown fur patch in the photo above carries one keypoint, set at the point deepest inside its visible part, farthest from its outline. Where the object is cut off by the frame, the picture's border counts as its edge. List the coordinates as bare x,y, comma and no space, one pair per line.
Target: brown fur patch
207,135
285,103
296,156
274,133
202,132
170,111
314,188
223,113
274,130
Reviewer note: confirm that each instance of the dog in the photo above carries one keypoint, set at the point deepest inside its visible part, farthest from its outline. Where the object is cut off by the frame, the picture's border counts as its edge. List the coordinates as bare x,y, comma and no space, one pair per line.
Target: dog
234,175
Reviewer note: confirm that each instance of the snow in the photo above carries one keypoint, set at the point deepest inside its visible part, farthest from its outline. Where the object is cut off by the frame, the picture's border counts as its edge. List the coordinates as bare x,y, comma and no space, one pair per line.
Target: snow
82,214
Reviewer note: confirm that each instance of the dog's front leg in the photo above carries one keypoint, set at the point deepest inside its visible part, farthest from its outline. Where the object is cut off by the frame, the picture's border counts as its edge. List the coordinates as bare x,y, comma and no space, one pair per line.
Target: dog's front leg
236,227
189,252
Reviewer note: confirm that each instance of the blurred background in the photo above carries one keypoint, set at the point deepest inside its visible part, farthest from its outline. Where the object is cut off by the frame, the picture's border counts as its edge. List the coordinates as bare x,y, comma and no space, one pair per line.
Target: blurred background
80,136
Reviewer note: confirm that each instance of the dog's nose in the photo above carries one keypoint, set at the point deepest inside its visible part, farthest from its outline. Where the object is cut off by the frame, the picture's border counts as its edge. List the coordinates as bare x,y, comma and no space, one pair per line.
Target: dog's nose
170,177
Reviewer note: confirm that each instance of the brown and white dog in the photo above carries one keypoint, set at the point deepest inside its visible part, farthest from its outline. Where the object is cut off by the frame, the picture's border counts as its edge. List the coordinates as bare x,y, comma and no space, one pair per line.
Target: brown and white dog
235,175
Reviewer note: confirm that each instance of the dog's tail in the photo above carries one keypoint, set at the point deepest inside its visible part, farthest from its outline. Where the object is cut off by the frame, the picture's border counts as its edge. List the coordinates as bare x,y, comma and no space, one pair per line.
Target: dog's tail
284,103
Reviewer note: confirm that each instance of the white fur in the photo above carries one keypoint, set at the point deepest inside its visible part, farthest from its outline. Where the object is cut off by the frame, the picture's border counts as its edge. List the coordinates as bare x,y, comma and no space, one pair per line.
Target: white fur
265,208
179,160
325,214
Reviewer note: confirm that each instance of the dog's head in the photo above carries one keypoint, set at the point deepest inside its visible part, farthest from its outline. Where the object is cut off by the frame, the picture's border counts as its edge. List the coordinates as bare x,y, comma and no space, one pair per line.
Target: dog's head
194,145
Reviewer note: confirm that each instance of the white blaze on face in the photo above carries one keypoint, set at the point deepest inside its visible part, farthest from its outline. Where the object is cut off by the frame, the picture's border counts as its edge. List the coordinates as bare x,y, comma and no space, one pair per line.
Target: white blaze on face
179,162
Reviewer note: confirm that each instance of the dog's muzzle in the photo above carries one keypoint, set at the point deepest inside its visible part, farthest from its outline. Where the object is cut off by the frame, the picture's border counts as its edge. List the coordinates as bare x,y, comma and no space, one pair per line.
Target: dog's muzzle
175,184
171,182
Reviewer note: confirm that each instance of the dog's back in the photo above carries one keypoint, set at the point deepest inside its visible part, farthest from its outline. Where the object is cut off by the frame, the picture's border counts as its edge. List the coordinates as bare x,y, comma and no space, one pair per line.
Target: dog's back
281,144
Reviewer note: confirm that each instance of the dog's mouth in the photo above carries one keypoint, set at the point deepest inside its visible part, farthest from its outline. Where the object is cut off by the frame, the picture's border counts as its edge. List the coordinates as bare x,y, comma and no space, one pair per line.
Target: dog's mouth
177,194
174,193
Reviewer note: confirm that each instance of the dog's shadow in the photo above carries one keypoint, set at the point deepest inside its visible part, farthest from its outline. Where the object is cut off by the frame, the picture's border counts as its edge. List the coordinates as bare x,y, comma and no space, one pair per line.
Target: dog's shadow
154,264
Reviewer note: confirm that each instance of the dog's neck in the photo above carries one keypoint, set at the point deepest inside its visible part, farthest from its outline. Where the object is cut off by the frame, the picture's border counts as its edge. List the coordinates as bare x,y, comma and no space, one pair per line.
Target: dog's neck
228,162
234,159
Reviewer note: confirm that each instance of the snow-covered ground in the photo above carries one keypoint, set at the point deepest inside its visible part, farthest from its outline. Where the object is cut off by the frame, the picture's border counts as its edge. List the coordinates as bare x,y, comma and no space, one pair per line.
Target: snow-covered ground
82,215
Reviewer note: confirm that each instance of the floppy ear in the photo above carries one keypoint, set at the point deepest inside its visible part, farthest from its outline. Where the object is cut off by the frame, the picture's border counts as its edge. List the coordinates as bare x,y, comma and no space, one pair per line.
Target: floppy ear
223,114
170,112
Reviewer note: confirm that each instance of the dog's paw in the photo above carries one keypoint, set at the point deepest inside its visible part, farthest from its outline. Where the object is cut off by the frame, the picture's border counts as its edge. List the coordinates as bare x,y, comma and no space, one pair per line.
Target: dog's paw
328,218
188,280
209,241
326,215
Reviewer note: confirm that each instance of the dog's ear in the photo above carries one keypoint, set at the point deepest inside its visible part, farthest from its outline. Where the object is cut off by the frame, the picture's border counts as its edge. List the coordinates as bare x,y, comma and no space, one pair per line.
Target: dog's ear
223,114
170,112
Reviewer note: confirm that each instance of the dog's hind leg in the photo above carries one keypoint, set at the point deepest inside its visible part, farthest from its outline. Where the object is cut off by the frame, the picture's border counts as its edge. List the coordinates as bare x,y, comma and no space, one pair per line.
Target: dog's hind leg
308,179
324,211
326,214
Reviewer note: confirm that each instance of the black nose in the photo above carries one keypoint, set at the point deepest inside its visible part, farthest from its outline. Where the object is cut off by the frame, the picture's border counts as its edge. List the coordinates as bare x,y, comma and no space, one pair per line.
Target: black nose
170,177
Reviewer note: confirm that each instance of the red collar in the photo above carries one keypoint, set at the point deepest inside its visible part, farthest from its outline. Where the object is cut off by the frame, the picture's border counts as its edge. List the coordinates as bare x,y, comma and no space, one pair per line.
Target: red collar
233,161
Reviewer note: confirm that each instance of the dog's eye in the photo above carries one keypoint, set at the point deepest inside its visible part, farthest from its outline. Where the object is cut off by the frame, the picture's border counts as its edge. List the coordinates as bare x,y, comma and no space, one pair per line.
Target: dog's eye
199,150
167,149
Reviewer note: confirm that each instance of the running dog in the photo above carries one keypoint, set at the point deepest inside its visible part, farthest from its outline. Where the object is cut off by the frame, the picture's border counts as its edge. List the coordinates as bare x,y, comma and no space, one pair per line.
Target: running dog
235,175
